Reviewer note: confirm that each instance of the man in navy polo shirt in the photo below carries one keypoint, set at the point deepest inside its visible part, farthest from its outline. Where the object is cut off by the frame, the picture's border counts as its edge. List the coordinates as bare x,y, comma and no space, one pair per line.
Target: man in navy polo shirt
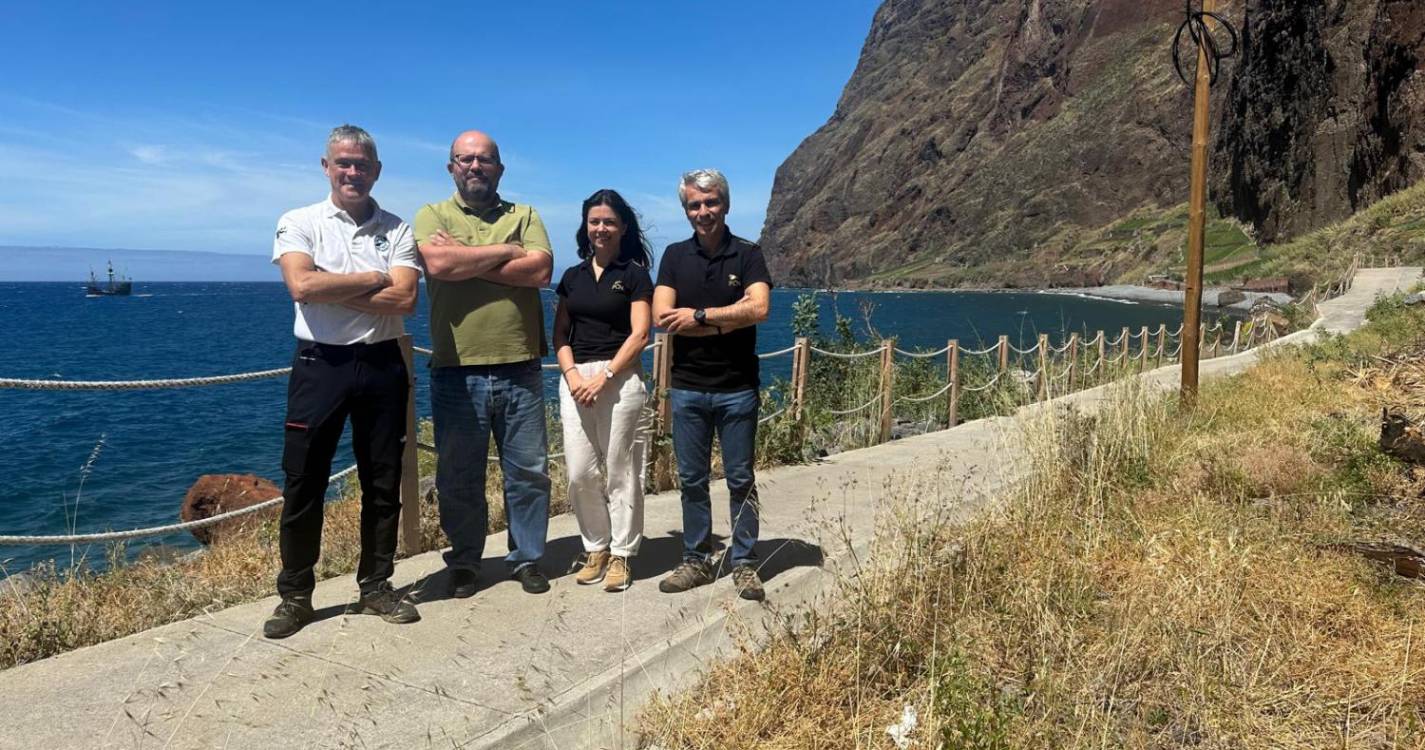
713,289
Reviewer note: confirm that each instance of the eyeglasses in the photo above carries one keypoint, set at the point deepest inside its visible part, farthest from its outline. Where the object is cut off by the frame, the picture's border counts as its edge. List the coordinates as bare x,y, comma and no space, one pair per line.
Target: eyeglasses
466,161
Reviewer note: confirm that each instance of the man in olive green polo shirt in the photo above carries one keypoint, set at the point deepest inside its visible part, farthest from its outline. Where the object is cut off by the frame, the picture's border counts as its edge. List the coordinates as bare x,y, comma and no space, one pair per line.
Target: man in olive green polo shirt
486,260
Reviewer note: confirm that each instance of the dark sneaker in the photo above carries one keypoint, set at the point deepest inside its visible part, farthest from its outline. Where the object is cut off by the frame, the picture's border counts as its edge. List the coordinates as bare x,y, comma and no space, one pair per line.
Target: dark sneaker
388,605
463,582
689,574
531,579
289,617
748,584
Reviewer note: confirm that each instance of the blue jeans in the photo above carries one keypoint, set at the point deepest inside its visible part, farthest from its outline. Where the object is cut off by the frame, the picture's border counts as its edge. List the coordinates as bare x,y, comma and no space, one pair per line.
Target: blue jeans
696,415
469,403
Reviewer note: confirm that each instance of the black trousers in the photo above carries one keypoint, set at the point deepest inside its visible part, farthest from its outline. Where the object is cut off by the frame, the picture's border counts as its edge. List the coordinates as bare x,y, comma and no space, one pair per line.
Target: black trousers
369,383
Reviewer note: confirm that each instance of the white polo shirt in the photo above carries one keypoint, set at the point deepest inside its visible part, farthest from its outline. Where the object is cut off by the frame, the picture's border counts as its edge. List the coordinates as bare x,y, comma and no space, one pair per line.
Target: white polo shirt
338,244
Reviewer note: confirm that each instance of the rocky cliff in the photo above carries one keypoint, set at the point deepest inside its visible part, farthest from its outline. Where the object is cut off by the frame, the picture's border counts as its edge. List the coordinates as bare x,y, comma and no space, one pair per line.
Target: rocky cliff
980,142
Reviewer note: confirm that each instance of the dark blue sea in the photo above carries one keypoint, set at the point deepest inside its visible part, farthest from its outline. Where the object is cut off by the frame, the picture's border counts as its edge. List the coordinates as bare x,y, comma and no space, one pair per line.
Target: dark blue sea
98,460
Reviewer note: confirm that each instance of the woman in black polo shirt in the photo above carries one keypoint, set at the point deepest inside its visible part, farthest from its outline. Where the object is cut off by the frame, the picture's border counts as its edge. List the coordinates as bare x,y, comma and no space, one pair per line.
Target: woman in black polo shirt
600,328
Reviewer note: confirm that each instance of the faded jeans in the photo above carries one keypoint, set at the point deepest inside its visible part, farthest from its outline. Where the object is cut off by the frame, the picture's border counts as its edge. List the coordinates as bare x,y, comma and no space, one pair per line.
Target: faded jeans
697,415
469,403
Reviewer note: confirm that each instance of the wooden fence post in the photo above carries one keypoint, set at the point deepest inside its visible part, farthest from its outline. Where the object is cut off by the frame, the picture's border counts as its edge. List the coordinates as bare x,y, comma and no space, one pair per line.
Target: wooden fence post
801,349
1236,336
888,370
662,462
1162,345
952,373
1123,349
1102,352
1073,361
1201,338
1217,341
1003,354
1043,348
1143,349
409,538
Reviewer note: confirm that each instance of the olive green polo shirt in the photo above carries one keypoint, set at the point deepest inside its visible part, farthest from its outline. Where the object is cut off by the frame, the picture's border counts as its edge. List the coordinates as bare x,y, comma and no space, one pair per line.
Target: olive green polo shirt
478,322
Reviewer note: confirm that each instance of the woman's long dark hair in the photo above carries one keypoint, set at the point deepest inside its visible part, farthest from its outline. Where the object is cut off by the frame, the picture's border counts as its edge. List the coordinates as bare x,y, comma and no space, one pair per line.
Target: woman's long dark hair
633,247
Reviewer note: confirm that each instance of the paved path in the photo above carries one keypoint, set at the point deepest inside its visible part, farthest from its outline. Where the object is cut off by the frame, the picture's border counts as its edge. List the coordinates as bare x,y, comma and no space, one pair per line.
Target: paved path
505,669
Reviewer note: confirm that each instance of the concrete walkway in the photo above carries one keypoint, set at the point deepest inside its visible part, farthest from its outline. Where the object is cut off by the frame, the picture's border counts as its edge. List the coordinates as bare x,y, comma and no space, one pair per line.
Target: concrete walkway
505,669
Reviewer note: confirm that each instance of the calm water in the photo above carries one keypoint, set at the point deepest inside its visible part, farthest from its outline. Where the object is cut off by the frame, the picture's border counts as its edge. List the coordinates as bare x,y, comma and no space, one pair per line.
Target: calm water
151,445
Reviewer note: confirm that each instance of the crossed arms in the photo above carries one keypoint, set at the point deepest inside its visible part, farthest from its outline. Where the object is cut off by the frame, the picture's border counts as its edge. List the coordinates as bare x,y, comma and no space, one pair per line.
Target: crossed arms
748,311
383,293
507,263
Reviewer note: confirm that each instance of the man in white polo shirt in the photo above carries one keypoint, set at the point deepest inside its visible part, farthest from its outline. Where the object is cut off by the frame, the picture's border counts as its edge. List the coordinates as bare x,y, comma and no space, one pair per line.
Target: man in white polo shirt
352,271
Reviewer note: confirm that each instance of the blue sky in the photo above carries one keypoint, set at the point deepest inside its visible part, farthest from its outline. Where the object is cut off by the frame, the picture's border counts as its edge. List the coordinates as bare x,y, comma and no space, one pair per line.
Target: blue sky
185,127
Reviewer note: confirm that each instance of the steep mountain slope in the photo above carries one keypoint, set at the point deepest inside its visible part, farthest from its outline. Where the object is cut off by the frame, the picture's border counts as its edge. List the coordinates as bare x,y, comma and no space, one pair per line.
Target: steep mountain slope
993,142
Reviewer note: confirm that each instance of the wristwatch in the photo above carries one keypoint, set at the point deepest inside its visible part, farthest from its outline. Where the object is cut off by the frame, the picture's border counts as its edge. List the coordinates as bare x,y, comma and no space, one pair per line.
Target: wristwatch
608,373
701,316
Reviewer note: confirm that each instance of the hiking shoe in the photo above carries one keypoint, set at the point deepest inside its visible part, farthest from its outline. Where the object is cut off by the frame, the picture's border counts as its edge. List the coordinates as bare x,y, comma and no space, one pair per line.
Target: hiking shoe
749,585
463,583
387,604
689,574
618,577
289,617
595,563
531,579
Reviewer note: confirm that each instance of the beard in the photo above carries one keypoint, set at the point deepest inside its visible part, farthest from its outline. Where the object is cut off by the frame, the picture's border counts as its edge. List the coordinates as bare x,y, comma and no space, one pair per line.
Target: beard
476,192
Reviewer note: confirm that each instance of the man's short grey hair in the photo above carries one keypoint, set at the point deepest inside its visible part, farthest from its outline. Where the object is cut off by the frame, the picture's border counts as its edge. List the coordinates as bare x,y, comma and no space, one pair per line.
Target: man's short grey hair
352,134
705,180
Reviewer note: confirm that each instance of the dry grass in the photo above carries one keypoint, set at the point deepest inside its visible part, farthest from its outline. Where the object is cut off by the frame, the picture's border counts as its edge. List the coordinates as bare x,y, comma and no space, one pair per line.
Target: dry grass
60,610
1161,580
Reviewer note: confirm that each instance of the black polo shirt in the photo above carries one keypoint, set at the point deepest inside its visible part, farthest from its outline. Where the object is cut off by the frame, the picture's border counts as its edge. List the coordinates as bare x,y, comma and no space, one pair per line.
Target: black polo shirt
599,310
717,364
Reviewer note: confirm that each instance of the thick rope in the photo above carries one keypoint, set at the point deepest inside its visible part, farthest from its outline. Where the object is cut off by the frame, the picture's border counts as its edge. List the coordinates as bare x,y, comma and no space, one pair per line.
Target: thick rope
134,385
1030,350
922,399
972,352
984,387
777,353
862,407
852,355
118,536
922,355
771,416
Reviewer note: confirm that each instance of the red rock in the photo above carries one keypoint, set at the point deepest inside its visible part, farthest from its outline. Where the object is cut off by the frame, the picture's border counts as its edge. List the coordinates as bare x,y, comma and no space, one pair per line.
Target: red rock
213,494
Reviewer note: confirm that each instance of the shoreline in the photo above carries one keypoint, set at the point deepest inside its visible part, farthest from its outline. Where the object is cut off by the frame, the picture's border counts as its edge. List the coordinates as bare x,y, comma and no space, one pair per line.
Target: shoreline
1131,293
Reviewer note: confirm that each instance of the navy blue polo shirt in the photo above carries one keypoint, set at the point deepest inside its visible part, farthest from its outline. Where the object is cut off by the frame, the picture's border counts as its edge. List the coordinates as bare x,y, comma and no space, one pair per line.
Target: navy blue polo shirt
599,311
728,362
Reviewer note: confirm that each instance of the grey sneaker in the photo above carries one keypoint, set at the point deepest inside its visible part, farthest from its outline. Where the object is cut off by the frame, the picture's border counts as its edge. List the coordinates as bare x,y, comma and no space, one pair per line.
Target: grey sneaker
689,574
748,583
388,605
289,617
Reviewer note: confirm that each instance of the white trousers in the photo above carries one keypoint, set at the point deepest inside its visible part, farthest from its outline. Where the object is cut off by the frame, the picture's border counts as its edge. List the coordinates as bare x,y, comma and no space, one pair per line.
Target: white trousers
604,450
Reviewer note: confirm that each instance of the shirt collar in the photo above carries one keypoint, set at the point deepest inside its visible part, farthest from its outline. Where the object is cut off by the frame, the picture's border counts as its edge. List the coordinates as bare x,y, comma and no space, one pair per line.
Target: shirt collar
497,207
333,210
728,248
617,264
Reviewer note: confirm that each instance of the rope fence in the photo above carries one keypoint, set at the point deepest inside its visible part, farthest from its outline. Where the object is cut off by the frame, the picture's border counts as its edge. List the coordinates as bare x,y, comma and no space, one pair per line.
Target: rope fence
173,528
1079,362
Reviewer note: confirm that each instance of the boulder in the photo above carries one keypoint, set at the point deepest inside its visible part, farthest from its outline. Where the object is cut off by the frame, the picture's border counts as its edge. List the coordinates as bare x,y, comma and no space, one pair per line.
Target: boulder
213,494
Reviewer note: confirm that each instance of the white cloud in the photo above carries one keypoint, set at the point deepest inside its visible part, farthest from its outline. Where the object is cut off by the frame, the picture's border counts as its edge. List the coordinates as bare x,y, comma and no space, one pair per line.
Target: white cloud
149,154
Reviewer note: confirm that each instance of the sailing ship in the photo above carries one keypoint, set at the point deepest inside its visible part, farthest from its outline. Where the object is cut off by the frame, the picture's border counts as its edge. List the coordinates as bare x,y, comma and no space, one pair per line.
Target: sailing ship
118,285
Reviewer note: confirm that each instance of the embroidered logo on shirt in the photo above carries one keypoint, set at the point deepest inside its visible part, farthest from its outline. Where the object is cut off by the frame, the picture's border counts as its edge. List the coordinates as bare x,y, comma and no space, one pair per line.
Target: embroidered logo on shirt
618,285
382,243
732,280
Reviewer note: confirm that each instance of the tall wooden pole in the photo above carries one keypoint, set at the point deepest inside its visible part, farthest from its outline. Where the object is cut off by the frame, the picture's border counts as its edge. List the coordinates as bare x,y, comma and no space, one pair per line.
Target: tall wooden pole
409,537
1197,219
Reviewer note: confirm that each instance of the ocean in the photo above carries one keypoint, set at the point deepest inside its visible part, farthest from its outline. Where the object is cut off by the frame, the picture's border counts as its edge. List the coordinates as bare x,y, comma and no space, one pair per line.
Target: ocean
98,460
